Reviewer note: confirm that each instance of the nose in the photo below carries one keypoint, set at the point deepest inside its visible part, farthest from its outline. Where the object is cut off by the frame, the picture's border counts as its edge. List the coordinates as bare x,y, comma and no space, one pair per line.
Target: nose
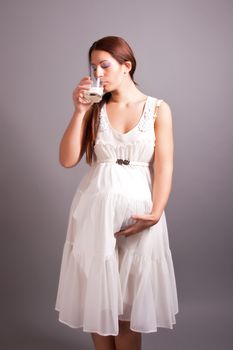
98,72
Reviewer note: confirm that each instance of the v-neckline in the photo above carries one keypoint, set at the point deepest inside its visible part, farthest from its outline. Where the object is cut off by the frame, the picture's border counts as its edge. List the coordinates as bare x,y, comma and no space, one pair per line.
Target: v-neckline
132,129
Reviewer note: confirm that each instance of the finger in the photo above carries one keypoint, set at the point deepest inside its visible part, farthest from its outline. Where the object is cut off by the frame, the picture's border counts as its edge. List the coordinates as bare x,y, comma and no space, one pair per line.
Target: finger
119,233
81,88
79,95
127,231
136,228
81,99
85,80
87,77
131,233
83,84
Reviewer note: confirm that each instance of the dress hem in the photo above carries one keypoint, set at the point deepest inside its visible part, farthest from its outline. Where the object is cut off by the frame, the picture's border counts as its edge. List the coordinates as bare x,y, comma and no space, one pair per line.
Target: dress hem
171,327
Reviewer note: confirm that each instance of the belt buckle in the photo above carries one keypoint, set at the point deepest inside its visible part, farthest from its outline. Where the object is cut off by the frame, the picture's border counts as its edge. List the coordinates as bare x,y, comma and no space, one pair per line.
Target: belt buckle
122,161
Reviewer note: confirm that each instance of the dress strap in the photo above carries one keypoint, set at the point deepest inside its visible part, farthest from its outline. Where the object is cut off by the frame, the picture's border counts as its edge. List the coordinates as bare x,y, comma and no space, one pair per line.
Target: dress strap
103,124
157,105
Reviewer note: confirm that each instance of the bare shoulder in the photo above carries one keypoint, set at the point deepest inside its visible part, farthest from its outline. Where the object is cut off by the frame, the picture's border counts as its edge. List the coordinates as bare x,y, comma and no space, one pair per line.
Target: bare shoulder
164,110
163,114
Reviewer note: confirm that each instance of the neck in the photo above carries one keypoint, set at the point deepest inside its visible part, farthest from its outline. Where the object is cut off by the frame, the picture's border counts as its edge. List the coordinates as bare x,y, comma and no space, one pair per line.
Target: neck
126,93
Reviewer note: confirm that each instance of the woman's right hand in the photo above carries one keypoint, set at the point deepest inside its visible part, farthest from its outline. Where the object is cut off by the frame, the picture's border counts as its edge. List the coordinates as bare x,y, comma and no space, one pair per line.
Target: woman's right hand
81,105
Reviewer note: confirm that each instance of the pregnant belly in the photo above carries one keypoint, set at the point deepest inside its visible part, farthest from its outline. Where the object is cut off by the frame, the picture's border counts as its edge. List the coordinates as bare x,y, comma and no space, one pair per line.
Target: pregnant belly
97,214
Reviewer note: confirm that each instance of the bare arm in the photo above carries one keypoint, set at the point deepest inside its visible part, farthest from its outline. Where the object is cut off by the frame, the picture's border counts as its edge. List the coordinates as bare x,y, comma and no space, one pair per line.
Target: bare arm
162,177
70,148
163,159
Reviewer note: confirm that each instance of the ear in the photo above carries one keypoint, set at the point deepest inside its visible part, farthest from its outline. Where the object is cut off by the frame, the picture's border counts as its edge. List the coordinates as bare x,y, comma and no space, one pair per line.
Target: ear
128,65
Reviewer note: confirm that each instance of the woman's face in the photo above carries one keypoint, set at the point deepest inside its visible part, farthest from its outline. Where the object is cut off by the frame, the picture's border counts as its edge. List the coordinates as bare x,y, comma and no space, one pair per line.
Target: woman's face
110,72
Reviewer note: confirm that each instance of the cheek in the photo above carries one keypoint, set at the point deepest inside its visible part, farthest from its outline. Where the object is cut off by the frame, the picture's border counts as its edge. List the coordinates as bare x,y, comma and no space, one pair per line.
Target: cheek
117,76
115,71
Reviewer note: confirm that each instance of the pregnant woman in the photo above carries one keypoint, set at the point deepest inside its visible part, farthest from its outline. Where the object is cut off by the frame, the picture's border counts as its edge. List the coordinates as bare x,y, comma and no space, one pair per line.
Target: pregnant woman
117,278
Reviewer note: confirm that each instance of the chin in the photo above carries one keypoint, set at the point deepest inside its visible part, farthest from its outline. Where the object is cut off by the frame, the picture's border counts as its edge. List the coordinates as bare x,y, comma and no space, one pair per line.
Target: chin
107,90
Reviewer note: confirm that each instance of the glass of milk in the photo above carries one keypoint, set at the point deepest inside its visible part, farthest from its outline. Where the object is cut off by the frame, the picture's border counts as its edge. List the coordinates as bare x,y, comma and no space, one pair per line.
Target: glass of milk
95,93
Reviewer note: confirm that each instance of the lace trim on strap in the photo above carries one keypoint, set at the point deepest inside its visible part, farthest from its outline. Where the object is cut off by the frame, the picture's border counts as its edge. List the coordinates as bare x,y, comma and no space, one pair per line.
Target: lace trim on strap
157,108
150,114
103,124
145,122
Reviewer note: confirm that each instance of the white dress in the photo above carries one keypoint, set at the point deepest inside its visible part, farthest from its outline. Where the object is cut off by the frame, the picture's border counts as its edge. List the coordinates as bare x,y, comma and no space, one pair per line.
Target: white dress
104,279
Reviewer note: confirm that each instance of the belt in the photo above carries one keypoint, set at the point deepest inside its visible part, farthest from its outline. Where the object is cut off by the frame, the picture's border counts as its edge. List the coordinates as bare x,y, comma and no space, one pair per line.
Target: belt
123,162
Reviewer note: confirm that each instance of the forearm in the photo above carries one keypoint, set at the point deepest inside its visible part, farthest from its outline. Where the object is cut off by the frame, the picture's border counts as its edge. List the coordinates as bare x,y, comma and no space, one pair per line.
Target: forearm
161,188
71,143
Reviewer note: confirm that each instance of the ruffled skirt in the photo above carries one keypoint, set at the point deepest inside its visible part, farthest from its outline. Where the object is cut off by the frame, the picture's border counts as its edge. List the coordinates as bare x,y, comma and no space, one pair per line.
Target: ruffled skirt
104,279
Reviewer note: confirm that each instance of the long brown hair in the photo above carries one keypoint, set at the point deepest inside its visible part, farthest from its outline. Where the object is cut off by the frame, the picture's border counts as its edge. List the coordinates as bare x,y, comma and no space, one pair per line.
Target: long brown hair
121,52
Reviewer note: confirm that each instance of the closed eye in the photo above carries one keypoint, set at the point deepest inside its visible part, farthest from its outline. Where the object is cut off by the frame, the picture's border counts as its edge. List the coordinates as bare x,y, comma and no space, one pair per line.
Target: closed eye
103,66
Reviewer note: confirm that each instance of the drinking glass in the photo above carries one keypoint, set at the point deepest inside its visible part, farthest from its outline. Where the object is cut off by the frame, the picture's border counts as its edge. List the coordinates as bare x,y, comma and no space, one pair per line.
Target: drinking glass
95,93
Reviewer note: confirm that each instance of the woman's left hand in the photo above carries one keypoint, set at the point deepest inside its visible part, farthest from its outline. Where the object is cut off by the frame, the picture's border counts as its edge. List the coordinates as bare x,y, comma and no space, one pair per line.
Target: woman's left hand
142,222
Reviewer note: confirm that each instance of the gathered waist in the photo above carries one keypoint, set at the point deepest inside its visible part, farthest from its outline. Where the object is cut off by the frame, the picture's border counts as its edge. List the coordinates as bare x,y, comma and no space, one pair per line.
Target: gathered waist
123,162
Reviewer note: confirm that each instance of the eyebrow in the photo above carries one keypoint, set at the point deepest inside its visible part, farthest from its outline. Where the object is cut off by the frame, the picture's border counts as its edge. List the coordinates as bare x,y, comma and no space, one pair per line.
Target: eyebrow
100,62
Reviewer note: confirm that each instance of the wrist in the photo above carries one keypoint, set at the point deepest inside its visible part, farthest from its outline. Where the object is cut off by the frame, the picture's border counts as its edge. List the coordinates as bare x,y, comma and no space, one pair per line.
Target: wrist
156,213
78,114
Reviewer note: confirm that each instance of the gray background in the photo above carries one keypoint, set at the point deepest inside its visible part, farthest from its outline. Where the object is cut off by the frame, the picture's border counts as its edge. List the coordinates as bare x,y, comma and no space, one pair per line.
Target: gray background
184,55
